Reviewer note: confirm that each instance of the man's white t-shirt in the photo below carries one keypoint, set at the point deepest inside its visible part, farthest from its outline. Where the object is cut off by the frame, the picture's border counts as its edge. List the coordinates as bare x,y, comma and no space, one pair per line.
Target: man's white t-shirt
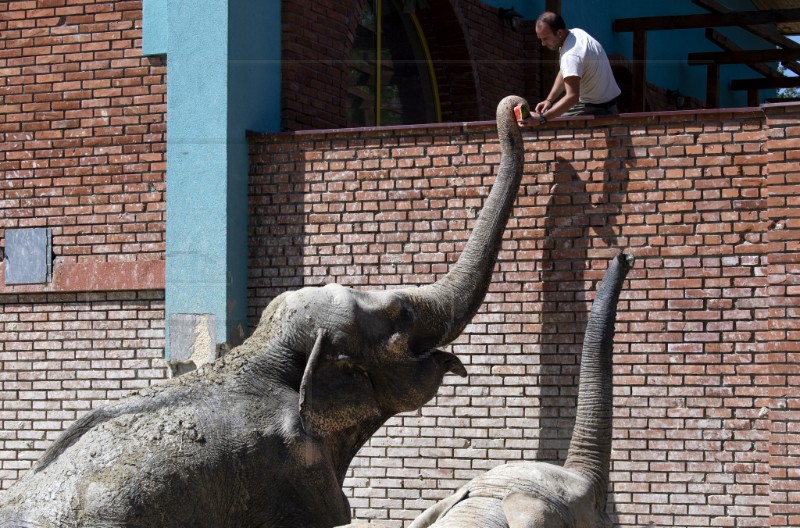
582,56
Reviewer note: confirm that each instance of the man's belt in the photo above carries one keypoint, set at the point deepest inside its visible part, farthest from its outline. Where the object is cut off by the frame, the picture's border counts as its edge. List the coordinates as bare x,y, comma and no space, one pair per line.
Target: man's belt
609,104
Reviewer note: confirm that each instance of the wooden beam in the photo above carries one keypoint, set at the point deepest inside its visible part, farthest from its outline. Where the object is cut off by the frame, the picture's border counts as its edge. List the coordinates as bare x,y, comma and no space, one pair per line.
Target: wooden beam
554,6
639,72
712,86
733,18
730,46
752,97
770,83
768,33
743,56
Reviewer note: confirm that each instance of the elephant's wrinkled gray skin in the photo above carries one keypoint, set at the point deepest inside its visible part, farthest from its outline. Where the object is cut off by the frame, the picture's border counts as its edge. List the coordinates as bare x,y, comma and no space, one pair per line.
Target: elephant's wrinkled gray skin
541,495
263,437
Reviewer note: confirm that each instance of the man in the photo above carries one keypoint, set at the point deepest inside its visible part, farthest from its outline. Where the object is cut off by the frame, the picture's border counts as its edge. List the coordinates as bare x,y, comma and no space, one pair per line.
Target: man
584,76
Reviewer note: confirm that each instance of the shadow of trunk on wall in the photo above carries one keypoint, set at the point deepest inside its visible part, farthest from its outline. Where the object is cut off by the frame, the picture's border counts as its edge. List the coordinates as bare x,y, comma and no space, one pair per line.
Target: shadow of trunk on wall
580,221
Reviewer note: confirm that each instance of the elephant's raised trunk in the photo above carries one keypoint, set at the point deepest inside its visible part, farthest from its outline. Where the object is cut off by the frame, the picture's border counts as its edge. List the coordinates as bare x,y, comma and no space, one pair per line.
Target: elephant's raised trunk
590,448
450,303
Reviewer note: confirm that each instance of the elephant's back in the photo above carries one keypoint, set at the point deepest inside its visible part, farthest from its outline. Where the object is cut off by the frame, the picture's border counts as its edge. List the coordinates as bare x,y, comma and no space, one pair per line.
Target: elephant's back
534,478
486,511
110,472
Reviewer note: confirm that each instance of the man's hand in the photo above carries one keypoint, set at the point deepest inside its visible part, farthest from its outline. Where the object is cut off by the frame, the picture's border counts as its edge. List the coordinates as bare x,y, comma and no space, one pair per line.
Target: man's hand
543,106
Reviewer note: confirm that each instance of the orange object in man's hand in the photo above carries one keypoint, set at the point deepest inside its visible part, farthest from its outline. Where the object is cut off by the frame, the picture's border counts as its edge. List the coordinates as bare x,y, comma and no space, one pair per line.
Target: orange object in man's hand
521,111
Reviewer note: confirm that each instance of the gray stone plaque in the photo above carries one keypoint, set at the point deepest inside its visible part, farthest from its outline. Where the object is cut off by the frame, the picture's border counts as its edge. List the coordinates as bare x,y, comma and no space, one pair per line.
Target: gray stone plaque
28,256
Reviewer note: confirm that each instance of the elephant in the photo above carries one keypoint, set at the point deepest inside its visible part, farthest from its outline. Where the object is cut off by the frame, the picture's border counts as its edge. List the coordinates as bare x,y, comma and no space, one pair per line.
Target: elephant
541,495
263,436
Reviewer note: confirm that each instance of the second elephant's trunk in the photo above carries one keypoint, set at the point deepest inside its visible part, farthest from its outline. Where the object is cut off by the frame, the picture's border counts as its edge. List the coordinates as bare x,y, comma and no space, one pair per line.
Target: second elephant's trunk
449,304
590,447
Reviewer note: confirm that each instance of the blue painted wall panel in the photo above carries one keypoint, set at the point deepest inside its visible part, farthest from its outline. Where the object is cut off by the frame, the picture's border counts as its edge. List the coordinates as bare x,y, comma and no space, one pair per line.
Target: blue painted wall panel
255,66
197,159
223,78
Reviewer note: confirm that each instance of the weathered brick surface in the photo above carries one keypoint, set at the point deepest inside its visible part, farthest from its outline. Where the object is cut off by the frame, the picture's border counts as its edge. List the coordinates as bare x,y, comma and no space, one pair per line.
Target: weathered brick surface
783,337
83,122
704,432
478,58
64,354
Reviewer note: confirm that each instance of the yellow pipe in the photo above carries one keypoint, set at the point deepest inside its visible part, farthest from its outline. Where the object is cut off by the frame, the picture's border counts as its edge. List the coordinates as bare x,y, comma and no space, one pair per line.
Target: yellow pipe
378,28
431,72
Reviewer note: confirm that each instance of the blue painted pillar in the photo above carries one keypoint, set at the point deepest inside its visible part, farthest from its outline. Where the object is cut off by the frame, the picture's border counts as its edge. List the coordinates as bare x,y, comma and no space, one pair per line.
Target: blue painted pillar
254,103
197,161
155,27
223,77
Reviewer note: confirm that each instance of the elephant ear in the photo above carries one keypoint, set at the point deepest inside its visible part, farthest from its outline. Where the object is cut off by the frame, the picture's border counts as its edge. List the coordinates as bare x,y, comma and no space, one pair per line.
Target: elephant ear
334,393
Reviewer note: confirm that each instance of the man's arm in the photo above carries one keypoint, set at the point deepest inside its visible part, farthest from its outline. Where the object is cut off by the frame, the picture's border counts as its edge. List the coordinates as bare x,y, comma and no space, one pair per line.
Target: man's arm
572,87
547,108
555,91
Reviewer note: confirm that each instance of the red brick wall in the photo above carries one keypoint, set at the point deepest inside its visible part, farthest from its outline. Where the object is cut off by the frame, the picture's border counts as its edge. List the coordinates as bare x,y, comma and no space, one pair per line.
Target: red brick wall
705,423
83,124
82,120
316,40
782,350
505,60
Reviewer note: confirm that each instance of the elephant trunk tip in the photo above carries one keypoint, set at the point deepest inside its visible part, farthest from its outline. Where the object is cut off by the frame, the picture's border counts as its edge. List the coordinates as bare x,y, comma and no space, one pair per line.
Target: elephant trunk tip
626,260
505,109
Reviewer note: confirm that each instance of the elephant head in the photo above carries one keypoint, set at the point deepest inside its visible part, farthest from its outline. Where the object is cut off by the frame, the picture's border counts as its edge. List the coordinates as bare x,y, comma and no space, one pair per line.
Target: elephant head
364,358
264,436
541,495
379,351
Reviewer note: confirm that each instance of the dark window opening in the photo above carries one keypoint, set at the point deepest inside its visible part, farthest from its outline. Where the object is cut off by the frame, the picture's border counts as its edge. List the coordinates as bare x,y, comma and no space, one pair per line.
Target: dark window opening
393,86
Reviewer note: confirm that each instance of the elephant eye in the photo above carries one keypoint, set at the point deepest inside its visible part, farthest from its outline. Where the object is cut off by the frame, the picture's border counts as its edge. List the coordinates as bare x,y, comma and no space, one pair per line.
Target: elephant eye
406,315
401,313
